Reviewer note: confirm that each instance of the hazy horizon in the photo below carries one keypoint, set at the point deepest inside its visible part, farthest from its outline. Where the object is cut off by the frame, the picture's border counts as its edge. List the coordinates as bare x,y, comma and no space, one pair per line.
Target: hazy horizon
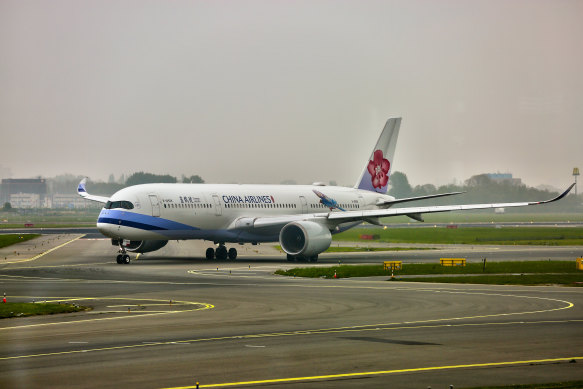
262,92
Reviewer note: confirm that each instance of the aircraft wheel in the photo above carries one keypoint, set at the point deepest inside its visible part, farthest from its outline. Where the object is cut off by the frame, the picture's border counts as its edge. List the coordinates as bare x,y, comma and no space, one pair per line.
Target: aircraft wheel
119,259
314,258
126,259
232,253
291,258
210,253
221,252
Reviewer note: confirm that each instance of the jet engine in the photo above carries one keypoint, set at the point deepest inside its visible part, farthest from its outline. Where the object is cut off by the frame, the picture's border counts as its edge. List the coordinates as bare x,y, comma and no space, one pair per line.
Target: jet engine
141,246
304,238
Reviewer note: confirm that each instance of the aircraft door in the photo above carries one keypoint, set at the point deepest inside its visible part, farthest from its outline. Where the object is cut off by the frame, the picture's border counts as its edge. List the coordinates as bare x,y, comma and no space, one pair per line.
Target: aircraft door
218,209
155,205
304,204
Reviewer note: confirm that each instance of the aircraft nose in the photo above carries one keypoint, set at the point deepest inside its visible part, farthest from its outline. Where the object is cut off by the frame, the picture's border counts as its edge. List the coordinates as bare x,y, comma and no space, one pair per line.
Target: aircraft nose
104,224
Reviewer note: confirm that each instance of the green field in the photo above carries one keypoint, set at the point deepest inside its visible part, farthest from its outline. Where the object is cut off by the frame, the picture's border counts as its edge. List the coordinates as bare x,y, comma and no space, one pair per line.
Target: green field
10,239
47,225
9,309
46,217
509,279
489,217
364,249
521,273
347,249
548,236
555,385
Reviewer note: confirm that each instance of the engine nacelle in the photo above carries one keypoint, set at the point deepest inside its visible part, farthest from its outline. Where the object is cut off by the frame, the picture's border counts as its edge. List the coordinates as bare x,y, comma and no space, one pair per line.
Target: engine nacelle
143,246
304,238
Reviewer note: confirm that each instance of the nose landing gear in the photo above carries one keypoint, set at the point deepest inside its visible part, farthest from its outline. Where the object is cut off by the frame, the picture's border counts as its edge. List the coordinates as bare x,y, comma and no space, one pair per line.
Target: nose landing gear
123,258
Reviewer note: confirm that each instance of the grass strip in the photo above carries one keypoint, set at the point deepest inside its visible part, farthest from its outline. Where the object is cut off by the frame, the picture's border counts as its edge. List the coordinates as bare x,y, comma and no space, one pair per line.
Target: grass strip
553,385
505,279
487,216
546,236
356,249
10,239
516,272
8,310
520,267
347,249
12,226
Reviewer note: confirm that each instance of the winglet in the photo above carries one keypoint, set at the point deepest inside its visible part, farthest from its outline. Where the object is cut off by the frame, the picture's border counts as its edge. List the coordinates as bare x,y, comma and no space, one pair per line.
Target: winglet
81,188
558,197
82,191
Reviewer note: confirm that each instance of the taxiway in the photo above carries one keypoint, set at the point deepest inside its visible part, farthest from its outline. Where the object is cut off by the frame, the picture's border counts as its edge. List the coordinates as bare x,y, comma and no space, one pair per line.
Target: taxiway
172,319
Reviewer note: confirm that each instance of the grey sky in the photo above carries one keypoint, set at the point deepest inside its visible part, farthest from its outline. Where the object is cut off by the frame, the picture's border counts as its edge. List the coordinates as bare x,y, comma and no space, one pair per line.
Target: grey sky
262,91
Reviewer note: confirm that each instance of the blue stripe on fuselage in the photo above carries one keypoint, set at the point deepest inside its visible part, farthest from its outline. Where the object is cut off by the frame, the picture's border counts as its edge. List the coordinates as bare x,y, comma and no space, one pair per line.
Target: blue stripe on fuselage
140,221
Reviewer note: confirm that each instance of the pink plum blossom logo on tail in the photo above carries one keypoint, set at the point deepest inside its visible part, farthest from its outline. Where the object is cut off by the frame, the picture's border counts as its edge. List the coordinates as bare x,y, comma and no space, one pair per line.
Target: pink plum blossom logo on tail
378,168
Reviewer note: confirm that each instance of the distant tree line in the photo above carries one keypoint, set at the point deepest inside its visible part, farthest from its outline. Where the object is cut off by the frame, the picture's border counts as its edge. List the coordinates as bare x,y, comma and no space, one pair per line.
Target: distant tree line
67,183
149,178
478,189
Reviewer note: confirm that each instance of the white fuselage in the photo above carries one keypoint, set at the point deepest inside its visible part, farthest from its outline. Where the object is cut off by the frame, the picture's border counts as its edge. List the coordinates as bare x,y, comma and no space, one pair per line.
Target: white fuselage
220,213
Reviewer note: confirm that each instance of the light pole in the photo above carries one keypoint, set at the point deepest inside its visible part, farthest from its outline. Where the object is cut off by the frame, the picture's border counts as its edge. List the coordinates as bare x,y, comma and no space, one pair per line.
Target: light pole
575,174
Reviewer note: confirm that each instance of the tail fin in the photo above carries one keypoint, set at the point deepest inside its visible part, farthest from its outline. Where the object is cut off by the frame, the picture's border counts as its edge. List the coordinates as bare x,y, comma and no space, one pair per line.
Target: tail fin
377,170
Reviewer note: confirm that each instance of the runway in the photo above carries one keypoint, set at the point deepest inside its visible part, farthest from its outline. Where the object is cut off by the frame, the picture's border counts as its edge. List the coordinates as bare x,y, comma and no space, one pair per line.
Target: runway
172,319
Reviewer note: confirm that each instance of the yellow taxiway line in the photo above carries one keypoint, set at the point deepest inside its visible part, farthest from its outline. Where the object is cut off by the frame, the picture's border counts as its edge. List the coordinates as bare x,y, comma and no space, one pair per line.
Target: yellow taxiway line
46,252
134,314
377,373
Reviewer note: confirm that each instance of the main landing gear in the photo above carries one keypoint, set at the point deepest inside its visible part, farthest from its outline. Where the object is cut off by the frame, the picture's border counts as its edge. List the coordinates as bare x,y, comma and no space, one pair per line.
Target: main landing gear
221,253
123,258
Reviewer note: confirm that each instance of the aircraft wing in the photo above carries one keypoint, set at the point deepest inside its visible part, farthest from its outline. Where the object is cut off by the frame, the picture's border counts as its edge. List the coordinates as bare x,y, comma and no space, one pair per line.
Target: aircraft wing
280,221
387,204
335,218
416,212
83,193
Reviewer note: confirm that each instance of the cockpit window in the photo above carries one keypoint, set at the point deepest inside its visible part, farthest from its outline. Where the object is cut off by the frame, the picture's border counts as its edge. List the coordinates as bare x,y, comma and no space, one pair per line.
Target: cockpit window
119,204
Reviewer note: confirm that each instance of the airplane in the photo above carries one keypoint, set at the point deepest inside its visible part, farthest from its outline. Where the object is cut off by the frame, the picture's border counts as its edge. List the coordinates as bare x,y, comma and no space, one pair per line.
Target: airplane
302,218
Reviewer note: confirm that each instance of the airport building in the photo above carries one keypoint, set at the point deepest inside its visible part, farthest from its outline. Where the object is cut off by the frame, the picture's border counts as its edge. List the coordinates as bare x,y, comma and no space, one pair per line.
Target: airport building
29,186
33,193
25,200
504,178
